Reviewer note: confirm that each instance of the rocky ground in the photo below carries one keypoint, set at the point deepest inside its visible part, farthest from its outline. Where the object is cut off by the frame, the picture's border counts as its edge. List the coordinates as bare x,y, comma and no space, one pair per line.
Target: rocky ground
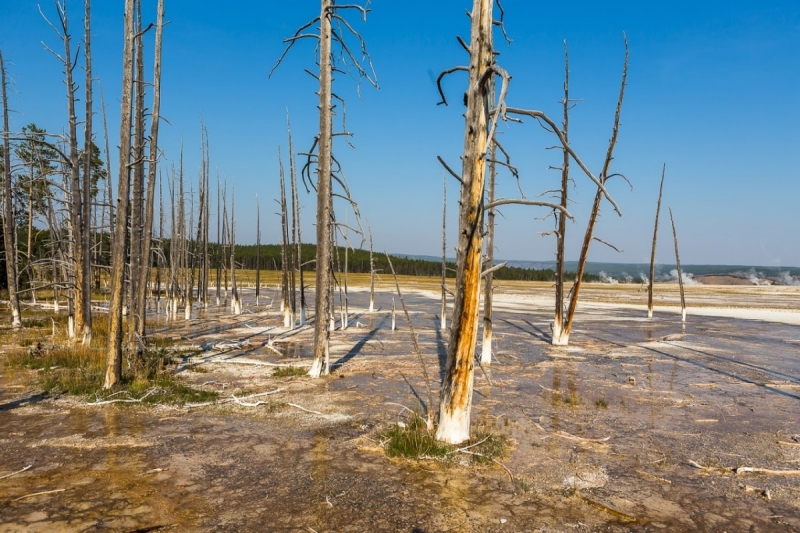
640,425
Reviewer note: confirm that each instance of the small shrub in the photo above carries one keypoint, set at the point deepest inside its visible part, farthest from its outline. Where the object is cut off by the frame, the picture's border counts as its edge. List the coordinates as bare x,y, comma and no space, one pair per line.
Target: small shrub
601,403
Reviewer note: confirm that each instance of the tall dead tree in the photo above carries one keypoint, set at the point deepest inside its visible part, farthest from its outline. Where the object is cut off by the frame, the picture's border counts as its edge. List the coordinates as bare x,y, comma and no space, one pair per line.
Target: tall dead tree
443,318
79,301
86,186
136,251
562,339
9,227
144,274
298,237
484,110
286,306
561,219
653,252
678,263
114,348
371,272
456,392
328,35
258,251
488,278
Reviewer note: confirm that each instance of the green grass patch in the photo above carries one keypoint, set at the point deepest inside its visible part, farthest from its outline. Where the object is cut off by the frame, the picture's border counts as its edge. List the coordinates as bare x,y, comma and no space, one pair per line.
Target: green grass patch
80,371
289,371
412,440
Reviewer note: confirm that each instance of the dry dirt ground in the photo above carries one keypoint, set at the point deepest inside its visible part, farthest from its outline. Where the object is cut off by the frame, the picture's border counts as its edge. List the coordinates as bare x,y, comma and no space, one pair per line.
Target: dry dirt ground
640,425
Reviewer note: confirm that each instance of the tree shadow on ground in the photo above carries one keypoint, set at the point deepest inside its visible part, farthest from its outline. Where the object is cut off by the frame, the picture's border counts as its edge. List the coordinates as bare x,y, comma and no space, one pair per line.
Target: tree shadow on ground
35,398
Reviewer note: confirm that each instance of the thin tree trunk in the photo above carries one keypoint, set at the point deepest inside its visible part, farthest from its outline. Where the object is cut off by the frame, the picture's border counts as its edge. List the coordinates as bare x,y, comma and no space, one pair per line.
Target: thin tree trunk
653,253
486,346
296,216
443,318
371,272
558,320
114,349
144,274
258,251
678,262
456,393
286,306
86,217
137,189
76,222
573,303
9,228
109,197
324,199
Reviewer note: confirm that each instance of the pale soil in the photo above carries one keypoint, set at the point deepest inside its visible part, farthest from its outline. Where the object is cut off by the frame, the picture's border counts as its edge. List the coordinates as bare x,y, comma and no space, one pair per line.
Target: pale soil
718,391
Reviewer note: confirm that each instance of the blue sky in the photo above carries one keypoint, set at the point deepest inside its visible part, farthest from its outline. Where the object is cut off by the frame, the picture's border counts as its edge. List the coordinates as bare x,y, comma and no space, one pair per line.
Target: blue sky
712,91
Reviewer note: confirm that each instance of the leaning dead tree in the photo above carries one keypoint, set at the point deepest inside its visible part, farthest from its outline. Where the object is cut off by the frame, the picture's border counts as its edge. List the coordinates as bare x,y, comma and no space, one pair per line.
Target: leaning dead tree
678,263
332,30
653,253
9,228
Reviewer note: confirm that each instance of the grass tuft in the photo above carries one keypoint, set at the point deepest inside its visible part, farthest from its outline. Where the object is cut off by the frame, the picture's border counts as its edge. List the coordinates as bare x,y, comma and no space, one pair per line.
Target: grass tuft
412,440
289,371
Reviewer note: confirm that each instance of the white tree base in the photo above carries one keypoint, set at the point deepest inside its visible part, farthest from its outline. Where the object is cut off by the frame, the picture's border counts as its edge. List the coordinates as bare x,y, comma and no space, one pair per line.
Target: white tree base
454,427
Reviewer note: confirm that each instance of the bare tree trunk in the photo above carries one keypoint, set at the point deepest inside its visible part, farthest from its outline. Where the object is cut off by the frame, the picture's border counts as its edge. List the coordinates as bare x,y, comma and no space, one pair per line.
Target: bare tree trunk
109,197
443,323
286,306
324,199
258,251
114,349
558,320
76,222
9,228
653,253
86,229
456,393
486,346
137,190
236,301
678,262
296,215
371,272
144,274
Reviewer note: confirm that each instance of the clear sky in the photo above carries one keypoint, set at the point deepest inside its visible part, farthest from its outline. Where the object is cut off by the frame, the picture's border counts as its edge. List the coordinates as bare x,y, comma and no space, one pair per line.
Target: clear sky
713,91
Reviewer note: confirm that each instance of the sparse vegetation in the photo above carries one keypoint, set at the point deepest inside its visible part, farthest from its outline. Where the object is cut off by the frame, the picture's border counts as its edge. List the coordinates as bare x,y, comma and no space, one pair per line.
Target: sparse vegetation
412,440
289,371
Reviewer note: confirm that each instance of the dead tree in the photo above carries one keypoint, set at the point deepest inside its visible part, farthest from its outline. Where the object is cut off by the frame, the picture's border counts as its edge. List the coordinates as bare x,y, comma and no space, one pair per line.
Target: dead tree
114,348
678,263
653,253
482,116
136,251
443,321
79,300
86,190
563,338
328,34
371,272
258,251
236,300
144,274
297,235
486,346
456,392
286,306
9,227
561,220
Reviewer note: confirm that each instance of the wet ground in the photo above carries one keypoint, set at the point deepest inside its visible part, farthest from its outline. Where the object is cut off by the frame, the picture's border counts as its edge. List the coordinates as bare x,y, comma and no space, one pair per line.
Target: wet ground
637,426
